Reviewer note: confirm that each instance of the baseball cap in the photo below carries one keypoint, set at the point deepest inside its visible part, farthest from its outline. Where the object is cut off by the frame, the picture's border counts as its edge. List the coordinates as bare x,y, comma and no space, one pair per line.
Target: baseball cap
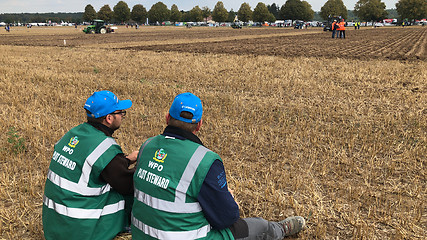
105,102
187,102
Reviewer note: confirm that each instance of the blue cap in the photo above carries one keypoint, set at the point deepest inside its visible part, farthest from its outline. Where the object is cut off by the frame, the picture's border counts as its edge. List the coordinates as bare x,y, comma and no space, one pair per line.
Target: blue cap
187,102
103,103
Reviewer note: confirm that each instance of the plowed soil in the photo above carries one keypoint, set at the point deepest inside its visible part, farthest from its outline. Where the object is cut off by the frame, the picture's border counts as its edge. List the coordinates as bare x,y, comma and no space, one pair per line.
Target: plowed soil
400,44
367,43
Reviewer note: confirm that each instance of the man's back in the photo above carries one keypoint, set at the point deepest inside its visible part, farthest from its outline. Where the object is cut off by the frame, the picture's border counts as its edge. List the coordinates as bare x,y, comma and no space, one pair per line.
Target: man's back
78,201
74,194
168,179
181,190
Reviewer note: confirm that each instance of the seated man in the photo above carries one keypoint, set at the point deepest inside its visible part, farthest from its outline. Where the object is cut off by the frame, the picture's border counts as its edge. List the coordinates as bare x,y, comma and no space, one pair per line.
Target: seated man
89,177
181,189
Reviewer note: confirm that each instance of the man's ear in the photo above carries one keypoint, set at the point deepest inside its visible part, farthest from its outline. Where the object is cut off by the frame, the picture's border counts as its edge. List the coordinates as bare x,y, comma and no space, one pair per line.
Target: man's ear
108,120
199,125
168,117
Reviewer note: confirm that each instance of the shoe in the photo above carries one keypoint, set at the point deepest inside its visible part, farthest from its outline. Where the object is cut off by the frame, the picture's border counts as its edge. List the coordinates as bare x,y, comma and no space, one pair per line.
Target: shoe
292,225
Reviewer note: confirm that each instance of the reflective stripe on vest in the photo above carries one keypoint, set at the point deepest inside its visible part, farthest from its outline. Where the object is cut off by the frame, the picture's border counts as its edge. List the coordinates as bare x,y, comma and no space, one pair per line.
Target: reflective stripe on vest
171,235
82,213
82,186
173,207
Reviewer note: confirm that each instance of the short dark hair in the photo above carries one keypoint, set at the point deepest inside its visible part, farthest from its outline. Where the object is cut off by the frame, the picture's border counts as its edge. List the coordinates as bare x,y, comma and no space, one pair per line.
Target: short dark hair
92,119
189,127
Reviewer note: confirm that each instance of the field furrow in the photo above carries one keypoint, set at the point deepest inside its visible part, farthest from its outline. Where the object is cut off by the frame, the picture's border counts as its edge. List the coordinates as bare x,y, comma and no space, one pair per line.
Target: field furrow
369,43
419,46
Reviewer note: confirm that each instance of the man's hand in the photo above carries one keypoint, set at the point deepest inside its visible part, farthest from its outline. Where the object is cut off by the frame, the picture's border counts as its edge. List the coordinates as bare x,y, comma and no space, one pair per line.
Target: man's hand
132,157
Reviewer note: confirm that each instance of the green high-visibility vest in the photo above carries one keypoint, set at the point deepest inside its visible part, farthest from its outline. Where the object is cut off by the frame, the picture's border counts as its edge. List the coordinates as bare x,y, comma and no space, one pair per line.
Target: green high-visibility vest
167,180
77,204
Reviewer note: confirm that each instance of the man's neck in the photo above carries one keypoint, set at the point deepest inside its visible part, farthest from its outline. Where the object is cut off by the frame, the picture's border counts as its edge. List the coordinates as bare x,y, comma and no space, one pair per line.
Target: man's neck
181,134
103,128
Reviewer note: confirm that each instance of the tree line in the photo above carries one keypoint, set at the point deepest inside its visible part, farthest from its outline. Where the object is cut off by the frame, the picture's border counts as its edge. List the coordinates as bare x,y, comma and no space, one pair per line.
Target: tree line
364,10
41,17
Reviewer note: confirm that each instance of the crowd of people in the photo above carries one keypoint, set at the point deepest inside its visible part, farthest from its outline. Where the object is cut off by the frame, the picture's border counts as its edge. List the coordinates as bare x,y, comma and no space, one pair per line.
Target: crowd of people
174,187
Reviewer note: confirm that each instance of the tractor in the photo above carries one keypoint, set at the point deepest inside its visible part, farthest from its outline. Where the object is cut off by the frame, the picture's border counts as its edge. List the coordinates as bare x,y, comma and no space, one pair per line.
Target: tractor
236,25
98,26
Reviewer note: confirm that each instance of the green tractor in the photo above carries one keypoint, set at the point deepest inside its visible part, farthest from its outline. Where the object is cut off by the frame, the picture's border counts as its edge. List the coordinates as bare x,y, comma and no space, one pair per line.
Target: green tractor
98,26
236,24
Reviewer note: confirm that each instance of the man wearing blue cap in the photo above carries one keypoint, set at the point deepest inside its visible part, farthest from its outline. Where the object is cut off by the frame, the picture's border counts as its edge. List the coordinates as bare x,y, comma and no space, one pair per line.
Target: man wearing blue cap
89,177
181,189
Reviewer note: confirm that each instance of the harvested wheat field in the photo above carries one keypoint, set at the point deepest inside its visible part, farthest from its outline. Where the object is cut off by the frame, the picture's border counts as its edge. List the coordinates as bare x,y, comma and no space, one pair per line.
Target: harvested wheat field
330,129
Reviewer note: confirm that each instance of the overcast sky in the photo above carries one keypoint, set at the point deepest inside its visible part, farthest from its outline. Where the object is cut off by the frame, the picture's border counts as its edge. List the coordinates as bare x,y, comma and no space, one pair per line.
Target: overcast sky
45,6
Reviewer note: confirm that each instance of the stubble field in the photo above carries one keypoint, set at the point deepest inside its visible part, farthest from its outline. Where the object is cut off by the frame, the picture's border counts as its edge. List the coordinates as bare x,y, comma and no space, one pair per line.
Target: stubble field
330,129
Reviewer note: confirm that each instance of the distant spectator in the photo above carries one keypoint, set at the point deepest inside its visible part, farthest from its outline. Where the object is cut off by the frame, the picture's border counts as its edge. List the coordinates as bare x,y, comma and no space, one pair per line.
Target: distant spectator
7,28
334,28
341,29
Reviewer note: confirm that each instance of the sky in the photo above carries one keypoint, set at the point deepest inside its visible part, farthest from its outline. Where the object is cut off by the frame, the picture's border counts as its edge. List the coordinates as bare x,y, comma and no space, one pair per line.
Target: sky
46,6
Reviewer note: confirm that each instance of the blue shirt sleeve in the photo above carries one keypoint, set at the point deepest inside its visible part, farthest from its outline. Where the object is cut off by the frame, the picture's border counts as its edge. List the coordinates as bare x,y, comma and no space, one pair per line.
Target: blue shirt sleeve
218,205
